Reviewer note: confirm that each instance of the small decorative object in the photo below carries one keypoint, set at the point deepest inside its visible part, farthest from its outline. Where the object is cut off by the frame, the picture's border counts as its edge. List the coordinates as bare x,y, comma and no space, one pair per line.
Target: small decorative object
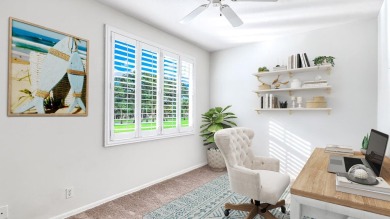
365,144
361,174
215,119
263,85
280,68
322,60
283,104
295,83
276,83
316,102
293,104
48,72
263,69
299,101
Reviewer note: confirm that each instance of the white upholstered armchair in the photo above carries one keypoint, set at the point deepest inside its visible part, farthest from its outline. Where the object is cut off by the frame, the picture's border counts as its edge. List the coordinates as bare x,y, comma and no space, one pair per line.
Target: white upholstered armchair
255,177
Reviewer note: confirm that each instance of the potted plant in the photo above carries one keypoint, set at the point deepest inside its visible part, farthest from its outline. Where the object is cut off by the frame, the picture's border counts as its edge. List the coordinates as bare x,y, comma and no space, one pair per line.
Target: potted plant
215,119
321,60
365,144
262,69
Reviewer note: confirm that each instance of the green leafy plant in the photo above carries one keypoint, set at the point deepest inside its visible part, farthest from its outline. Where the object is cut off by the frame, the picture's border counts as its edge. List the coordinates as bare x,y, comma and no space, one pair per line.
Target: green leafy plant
261,69
365,142
213,120
321,59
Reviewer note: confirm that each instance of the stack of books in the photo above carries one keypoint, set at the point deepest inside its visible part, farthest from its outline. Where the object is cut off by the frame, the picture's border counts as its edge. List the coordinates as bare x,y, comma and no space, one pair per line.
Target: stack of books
269,101
310,84
280,68
339,149
380,191
299,60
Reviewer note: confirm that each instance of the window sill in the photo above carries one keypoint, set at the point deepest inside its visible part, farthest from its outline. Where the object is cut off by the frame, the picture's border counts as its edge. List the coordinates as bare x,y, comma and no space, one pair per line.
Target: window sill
110,143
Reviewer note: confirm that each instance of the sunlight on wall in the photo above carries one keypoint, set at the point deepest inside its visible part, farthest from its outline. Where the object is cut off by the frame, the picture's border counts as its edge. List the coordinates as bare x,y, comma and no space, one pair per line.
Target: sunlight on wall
292,150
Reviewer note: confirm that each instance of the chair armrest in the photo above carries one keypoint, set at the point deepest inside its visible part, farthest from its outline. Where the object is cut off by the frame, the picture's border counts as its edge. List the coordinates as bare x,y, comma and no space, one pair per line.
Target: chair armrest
265,163
245,182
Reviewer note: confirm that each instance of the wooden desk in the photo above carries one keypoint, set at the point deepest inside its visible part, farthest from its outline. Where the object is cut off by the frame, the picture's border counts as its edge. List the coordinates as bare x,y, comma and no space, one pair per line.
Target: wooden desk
315,183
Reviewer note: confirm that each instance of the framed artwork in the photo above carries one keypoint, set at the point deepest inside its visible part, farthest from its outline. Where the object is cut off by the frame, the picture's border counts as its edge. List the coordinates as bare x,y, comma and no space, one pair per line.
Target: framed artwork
47,72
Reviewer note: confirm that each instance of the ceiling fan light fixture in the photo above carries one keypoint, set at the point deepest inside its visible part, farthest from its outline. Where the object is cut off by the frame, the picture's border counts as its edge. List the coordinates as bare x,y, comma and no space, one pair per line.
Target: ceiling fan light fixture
231,16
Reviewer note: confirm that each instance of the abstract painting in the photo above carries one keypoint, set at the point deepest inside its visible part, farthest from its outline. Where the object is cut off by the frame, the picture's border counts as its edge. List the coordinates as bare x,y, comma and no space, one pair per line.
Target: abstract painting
47,72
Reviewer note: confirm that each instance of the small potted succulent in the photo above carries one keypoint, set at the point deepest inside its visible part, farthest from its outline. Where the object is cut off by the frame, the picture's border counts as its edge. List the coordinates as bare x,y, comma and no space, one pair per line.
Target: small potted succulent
262,69
215,119
365,144
322,60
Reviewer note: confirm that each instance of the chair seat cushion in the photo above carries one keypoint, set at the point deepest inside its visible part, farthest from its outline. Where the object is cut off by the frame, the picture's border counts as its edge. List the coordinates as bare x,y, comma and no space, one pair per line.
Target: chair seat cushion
273,184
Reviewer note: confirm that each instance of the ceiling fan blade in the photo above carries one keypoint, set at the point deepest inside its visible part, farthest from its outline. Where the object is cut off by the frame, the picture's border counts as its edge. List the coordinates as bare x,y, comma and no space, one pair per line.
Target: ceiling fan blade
194,13
254,0
231,16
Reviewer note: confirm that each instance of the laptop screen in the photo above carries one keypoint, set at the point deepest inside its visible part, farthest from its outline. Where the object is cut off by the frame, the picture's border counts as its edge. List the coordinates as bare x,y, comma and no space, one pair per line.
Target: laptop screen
376,150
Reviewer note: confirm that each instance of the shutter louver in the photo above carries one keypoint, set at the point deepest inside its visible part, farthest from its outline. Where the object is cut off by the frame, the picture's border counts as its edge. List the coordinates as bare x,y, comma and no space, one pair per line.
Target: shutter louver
186,72
149,69
170,69
124,87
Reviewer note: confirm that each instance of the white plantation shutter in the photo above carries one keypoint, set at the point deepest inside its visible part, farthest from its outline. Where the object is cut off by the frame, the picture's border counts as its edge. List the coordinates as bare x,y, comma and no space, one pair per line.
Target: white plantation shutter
149,91
123,85
149,75
170,92
186,95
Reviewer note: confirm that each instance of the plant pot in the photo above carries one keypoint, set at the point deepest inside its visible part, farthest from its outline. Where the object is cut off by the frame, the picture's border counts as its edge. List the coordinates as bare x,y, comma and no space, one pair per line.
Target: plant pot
363,150
215,160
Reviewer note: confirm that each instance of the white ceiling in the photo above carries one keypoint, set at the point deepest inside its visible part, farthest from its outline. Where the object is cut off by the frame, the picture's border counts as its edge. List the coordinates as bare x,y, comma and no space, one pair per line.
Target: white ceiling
262,20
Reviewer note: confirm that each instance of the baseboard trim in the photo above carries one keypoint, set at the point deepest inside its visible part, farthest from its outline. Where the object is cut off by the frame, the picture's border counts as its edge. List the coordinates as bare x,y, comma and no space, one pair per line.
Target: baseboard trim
113,197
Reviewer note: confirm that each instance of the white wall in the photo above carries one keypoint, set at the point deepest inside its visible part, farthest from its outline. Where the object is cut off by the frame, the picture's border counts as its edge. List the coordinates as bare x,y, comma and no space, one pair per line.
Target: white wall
39,157
384,70
292,137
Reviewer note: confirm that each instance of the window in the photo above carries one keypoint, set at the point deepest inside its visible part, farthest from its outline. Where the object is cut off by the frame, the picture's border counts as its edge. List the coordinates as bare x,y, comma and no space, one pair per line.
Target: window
149,90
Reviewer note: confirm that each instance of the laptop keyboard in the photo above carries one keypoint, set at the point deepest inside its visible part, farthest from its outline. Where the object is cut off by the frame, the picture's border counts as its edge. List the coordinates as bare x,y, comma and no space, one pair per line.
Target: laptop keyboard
349,162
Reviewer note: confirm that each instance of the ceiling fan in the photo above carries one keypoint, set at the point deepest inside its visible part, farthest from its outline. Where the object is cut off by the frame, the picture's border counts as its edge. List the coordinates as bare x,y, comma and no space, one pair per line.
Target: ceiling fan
225,10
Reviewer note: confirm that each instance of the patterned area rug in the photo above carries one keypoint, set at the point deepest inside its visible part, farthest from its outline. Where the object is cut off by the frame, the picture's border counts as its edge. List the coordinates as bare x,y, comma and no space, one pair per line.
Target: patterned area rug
207,202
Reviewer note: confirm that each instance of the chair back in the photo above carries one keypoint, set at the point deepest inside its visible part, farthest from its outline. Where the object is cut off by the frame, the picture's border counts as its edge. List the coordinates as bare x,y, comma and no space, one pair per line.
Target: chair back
235,144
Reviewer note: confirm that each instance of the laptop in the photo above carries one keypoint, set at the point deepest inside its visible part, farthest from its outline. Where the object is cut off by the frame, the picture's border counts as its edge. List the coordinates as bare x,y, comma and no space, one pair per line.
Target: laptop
376,150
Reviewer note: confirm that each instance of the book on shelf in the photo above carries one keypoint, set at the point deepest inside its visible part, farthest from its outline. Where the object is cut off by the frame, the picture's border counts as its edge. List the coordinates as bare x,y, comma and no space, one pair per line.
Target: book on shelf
303,60
280,68
261,102
310,84
363,190
307,60
299,61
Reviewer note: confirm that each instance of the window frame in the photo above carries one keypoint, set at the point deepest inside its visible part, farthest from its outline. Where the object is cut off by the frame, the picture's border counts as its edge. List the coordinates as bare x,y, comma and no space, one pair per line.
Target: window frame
136,136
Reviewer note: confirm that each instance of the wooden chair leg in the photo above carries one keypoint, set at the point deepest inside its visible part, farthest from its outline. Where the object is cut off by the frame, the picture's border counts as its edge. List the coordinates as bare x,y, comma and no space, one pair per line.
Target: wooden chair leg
277,205
252,214
240,207
268,215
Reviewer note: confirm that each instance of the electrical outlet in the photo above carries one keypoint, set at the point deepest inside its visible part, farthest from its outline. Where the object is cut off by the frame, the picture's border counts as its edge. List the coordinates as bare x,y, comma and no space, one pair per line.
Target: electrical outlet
69,192
4,212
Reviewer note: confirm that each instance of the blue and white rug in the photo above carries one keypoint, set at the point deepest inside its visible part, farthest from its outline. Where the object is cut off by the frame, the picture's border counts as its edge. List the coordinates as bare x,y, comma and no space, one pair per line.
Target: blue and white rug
207,202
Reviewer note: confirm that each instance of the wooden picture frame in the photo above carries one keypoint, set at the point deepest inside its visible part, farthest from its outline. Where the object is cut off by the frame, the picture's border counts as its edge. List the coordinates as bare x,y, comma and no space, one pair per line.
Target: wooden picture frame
47,71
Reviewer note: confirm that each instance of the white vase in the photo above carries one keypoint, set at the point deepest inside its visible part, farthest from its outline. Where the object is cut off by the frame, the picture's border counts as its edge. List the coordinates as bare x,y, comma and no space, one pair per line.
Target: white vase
215,160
